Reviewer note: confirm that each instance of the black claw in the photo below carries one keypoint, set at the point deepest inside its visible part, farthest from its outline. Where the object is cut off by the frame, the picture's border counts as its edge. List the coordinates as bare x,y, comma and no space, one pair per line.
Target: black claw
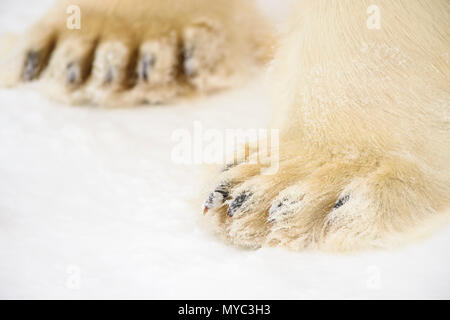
146,66
31,68
341,201
73,73
224,189
224,193
238,202
218,196
188,67
210,201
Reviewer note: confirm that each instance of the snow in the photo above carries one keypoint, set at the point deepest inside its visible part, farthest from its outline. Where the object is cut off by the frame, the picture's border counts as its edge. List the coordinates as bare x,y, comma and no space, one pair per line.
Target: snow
91,206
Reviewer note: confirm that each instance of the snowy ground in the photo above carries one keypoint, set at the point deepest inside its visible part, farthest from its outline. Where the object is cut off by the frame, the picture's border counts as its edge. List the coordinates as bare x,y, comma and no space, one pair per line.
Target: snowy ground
91,206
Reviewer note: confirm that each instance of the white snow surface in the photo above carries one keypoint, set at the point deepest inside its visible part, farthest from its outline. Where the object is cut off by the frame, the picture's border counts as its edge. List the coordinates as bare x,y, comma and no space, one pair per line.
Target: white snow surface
91,206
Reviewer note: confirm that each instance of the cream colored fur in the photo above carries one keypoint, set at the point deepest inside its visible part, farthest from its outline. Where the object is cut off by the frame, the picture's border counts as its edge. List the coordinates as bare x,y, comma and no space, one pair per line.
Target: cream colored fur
364,113
365,120
225,39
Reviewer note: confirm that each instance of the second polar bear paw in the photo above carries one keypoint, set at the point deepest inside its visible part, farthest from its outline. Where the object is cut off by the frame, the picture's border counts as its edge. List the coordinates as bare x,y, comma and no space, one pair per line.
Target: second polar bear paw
127,58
